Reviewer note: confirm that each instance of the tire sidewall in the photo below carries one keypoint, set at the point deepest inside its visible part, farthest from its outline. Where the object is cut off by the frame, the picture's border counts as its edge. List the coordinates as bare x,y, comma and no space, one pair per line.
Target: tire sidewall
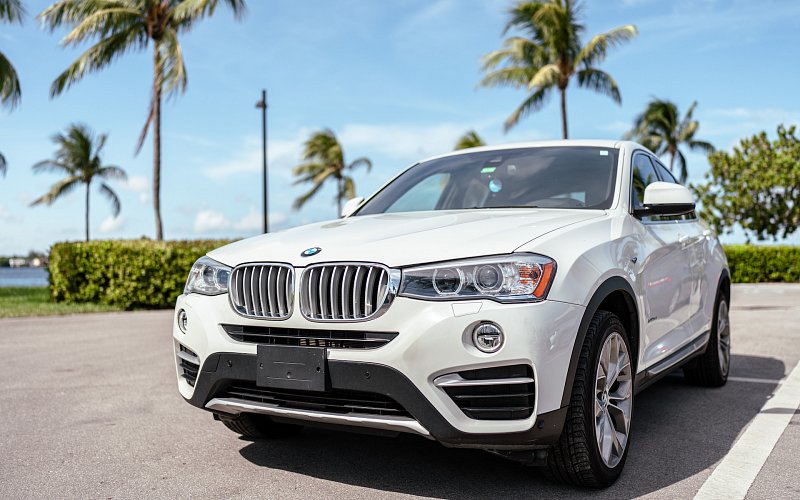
605,330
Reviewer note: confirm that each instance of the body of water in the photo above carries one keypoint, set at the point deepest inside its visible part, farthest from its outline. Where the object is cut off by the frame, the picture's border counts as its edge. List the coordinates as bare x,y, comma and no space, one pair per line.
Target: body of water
23,276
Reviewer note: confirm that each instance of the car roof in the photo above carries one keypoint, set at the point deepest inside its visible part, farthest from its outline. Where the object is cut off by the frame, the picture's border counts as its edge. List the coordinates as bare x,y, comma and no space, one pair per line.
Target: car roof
599,143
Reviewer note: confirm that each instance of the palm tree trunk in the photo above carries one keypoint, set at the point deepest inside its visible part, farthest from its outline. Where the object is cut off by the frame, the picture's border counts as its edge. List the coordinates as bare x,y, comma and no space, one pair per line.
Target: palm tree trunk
564,112
157,143
87,211
340,189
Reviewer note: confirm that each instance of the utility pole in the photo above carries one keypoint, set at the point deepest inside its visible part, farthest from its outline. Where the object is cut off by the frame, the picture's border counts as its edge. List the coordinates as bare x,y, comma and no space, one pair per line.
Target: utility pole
262,105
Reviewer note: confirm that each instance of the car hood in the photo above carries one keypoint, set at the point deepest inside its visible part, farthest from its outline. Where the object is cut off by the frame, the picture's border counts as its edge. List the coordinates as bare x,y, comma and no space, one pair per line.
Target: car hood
402,239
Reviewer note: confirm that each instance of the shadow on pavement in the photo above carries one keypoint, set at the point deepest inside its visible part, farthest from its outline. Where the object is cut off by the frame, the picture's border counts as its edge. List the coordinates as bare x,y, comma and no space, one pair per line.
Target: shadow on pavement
679,431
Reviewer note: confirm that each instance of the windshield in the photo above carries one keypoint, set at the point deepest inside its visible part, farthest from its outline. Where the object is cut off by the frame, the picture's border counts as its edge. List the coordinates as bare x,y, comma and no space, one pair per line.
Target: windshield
542,177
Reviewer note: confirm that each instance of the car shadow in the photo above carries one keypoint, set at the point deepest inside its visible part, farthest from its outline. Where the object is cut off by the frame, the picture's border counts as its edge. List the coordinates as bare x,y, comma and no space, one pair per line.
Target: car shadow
680,430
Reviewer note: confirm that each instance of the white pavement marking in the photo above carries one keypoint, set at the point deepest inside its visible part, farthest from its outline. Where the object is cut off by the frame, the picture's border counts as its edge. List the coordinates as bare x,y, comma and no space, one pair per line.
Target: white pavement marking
736,472
772,381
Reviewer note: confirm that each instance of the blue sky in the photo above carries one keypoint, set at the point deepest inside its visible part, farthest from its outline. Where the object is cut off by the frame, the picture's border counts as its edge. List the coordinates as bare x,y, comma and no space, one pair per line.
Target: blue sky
395,79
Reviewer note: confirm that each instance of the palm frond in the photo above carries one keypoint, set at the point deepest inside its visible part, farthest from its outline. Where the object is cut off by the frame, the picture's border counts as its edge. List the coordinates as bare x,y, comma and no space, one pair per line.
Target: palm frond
12,11
512,76
681,164
701,146
361,162
348,188
173,69
10,90
470,139
105,22
599,81
596,50
188,11
109,193
97,57
302,200
59,189
534,102
548,75
52,166
112,172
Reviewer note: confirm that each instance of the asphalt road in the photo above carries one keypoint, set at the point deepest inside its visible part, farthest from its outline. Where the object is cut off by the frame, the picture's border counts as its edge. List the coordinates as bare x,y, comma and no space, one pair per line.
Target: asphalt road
89,408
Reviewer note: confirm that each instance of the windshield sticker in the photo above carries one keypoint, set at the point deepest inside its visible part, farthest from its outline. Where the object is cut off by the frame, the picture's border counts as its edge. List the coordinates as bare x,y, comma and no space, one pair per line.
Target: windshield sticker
603,152
495,185
488,170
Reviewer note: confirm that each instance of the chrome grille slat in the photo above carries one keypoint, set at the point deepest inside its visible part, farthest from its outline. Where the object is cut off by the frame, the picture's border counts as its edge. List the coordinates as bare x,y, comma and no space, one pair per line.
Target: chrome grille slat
346,291
262,291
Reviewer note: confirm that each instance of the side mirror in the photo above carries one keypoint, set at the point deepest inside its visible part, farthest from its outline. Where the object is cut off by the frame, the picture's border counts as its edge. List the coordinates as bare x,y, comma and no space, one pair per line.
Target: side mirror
666,198
352,205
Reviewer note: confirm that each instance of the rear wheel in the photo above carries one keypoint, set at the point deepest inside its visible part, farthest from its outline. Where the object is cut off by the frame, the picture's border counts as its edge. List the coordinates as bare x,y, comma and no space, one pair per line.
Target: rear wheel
593,447
711,369
259,426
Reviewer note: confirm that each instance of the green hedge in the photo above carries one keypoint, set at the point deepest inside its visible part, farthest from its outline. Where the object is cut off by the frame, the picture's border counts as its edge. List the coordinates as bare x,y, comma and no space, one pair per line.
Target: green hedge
125,273
759,264
147,274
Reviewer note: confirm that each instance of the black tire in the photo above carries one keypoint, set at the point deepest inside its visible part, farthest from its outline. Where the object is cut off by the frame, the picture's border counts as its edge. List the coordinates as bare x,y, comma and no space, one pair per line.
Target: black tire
259,426
707,369
575,459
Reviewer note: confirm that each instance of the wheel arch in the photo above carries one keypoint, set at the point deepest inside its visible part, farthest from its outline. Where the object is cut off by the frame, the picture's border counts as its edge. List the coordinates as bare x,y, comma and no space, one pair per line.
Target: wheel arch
617,296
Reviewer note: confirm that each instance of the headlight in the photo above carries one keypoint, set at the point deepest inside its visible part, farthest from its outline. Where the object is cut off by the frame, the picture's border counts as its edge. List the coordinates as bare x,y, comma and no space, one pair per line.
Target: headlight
507,278
208,277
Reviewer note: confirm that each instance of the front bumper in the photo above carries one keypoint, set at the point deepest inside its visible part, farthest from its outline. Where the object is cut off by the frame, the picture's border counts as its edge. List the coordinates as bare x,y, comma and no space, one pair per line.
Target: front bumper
431,342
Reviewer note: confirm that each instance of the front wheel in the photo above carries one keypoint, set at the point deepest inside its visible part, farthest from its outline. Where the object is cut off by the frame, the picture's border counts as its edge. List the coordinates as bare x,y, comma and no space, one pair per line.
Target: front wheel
594,444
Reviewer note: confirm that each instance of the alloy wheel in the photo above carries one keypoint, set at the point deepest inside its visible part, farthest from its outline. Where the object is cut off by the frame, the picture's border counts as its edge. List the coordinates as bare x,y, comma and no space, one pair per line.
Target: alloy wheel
723,337
613,400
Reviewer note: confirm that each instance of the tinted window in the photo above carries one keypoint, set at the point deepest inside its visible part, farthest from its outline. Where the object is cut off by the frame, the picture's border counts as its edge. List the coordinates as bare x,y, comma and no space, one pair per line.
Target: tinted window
665,174
643,174
422,196
546,177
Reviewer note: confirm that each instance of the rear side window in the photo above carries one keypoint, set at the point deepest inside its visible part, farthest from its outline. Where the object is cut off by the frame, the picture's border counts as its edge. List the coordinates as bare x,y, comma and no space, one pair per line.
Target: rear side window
665,174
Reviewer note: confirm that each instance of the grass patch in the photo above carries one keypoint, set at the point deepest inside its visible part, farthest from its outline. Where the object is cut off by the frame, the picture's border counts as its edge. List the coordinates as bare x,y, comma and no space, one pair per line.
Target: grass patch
36,301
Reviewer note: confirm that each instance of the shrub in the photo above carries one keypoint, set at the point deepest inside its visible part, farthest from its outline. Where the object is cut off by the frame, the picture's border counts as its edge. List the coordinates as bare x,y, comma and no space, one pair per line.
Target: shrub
759,264
125,273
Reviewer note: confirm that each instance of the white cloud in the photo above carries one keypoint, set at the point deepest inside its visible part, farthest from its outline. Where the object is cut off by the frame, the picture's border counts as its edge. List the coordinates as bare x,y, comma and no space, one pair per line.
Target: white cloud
112,224
140,185
211,221
5,214
405,142
282,155
740,122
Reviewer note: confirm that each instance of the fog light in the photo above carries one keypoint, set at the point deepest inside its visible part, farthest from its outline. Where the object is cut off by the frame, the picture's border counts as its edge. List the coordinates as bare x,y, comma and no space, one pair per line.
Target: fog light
183,320
488,337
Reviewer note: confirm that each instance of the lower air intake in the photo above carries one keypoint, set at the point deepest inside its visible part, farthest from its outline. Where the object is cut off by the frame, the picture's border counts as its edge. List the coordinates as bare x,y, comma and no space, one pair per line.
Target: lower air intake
499,393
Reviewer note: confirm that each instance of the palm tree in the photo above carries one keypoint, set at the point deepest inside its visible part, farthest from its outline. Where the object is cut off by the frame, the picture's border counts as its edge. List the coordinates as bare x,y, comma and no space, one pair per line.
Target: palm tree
550,54
470,139
11,11
130,25
661,129
324,160
78,158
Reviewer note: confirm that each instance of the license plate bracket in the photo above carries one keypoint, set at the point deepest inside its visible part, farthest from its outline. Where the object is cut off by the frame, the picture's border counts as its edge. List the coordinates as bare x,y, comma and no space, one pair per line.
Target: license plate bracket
291,367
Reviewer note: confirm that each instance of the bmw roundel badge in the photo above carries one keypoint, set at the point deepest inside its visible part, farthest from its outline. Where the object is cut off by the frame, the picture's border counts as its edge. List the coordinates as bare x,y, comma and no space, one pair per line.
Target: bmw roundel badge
308,252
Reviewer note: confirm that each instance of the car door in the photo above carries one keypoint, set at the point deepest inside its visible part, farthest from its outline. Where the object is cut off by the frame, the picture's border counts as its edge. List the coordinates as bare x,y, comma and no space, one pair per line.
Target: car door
692,236
663,278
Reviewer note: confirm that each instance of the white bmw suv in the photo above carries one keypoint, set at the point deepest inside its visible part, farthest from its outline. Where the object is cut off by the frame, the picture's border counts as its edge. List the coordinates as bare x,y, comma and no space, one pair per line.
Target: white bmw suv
512,299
